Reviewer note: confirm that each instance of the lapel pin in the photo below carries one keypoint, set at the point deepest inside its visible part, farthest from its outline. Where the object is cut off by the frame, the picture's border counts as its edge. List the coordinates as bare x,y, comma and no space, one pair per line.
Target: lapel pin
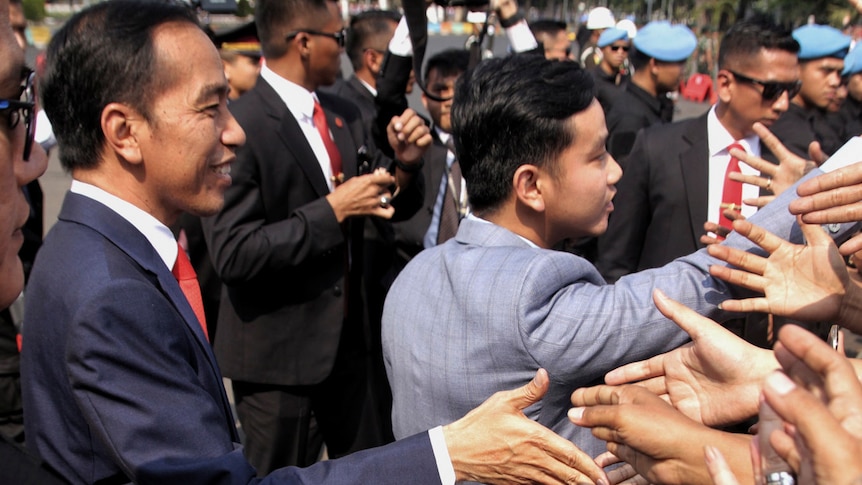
338,122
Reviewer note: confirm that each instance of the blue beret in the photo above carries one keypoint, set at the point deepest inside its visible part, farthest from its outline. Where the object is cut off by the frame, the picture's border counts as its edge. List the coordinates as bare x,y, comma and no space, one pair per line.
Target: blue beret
816,41
853,61
609,36
665,42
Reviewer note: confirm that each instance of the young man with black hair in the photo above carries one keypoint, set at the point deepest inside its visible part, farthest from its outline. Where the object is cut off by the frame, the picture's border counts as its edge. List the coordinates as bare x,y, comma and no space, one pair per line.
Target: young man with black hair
483,310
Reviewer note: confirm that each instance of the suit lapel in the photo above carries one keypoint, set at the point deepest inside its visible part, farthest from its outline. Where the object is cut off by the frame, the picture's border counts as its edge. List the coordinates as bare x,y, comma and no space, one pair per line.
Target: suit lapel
83,210
292,137
694,165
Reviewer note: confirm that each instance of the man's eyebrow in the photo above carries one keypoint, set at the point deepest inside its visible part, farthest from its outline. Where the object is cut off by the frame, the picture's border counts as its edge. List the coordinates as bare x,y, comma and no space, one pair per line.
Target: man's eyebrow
211,90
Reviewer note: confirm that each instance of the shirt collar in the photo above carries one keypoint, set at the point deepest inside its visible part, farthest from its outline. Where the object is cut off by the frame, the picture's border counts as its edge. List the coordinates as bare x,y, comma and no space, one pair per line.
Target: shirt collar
298,100
158,234
719,138
369,87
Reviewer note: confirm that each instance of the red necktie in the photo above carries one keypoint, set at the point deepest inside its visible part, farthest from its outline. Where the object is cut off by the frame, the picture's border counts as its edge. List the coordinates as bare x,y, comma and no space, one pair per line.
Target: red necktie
731,195
319,118
188,280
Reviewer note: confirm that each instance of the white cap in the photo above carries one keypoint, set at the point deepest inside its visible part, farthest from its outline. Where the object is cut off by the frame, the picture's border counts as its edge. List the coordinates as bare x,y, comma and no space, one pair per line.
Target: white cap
629,26
600,18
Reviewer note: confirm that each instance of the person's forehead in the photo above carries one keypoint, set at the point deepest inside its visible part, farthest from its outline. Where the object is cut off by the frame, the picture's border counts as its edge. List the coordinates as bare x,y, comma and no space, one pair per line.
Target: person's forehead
183,50
770,65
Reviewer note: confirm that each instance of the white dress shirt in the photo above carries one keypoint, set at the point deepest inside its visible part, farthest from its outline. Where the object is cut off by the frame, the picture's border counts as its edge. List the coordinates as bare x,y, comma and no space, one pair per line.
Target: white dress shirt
300,103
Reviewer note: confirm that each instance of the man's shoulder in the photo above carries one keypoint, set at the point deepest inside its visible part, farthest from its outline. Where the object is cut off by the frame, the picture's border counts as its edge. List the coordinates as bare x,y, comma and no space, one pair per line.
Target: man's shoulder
340,105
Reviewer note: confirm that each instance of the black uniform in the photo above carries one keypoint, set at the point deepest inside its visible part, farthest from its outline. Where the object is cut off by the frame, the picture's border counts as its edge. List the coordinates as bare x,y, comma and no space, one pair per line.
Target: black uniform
608,87
798,127
635,109
847,122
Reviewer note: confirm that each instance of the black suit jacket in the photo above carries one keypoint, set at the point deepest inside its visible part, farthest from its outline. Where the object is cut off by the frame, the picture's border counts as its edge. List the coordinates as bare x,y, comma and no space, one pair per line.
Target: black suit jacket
279,249
661,201
355,91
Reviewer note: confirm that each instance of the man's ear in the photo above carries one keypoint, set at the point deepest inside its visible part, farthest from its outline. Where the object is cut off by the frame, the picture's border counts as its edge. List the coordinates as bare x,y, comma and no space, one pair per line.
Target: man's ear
372,60
527,185
722,86
122,127
653,66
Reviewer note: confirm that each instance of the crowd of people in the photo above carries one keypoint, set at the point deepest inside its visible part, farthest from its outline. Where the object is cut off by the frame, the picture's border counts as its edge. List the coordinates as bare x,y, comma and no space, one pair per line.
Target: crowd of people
546,281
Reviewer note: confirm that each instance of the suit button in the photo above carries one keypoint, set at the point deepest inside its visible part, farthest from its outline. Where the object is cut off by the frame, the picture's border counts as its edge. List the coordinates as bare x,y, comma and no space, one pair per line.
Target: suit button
336,291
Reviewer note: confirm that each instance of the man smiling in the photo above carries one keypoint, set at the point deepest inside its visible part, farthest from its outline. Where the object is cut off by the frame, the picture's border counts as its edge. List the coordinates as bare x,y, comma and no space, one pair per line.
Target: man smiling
119,380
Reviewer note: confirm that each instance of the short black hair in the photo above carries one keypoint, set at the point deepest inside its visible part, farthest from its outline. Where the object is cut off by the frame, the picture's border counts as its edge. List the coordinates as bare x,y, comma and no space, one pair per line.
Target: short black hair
371,29
450,62
744,40
274,18
638,59
510,112
102,55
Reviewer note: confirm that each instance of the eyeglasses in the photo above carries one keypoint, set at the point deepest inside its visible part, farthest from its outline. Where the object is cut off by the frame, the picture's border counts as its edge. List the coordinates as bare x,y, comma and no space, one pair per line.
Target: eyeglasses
615,48
340,36
25,105
772,90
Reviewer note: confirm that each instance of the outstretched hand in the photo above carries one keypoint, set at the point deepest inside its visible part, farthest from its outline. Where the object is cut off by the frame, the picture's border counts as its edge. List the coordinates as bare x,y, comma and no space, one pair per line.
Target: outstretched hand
496,443
805,282
714,380
662,444
773,178
823,406
834,197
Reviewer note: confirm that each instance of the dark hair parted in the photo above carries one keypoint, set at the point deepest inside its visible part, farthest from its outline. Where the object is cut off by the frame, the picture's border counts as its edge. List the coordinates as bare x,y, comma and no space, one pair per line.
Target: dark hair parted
743,41
371,29
275,18
104,54
450,62
510,112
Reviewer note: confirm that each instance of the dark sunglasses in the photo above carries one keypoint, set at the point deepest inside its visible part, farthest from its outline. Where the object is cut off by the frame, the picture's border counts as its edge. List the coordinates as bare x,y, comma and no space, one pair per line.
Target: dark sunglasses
25,106
615,48
772,90
340,36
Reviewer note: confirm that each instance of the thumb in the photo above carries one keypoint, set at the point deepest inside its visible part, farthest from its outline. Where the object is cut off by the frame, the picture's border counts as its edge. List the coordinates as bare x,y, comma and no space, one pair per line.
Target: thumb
687,319
533,391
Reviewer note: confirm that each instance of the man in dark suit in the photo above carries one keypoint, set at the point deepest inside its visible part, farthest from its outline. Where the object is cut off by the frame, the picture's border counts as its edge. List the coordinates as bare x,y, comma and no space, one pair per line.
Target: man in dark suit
367,41
288,243
673,179
120,384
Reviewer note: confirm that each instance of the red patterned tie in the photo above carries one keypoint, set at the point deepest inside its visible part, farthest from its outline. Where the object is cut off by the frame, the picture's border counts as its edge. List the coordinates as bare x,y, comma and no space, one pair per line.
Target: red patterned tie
188,280
319,118
731,195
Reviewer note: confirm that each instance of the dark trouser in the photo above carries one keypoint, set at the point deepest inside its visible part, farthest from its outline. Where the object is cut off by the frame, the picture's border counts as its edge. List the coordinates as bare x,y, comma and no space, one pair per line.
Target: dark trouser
277,420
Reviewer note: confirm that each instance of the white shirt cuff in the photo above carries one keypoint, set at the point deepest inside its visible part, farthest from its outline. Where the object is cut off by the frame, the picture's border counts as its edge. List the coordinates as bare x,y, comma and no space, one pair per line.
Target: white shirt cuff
400,44
521,38
441,455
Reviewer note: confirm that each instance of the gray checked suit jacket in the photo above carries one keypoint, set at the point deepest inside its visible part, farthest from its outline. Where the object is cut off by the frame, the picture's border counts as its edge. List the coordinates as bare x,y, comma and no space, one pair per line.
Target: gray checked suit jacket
482,312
